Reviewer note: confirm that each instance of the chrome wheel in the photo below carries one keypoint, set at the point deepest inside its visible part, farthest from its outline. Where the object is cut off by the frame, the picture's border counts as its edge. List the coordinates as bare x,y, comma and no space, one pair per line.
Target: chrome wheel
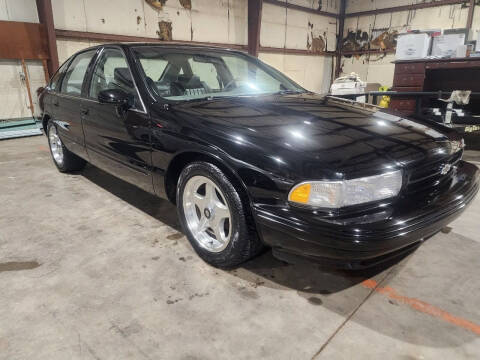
207,213
55,145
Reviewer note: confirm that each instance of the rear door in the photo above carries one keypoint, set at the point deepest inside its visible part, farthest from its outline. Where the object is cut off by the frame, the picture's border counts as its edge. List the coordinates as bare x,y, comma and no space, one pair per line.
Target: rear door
52,90
68,102
117,140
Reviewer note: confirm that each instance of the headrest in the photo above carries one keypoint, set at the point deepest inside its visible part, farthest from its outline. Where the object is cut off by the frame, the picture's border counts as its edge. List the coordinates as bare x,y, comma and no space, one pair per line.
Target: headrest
122,76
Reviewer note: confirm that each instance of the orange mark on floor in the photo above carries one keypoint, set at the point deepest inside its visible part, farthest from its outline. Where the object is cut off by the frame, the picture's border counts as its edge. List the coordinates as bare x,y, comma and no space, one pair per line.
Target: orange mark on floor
43,148
422,306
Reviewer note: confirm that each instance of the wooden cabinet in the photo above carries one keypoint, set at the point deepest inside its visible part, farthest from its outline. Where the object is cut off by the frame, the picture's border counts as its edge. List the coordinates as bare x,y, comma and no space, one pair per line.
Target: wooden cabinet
409,76
433,75
408,80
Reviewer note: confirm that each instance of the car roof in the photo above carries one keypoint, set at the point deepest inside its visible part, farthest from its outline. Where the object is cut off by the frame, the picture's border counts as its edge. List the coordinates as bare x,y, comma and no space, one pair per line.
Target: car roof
167,45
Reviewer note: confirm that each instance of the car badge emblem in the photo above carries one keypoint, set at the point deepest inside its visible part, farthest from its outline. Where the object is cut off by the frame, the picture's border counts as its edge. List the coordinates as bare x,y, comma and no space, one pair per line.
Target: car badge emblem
445,169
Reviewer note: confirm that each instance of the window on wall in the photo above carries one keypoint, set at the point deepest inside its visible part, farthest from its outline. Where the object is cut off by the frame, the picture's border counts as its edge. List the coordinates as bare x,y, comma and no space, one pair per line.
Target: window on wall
112,72
73,81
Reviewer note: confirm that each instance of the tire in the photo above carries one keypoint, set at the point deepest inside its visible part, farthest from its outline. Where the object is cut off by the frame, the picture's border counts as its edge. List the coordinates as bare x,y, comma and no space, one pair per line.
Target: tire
206,215
65,160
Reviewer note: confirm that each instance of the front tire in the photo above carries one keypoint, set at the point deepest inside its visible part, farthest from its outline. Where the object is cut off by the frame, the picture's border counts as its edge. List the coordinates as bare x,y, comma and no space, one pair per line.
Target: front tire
64,159
213,216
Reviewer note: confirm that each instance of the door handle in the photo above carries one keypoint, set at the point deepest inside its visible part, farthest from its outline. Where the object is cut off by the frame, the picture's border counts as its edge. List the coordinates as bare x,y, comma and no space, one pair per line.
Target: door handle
55,103
84,111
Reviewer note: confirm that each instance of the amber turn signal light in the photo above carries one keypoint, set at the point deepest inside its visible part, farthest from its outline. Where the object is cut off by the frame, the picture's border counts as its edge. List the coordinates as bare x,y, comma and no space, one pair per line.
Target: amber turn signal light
300,194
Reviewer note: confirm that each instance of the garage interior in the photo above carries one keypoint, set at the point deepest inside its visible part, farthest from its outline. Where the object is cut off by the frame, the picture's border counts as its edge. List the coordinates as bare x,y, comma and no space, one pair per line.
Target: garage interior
92,267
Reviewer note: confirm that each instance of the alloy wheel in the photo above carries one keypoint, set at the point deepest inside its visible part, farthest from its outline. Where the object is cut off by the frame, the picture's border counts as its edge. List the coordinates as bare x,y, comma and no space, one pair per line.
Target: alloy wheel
55,145
207,213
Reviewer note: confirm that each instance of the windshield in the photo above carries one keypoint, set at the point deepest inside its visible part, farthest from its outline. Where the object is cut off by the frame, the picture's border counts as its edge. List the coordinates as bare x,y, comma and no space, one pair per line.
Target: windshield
188,74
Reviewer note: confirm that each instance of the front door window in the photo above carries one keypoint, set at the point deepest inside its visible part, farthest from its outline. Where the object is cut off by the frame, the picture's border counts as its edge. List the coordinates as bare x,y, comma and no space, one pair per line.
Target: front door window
112,72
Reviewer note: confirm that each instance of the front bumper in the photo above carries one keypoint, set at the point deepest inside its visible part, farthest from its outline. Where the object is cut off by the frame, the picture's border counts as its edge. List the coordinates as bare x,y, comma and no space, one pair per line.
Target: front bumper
364,240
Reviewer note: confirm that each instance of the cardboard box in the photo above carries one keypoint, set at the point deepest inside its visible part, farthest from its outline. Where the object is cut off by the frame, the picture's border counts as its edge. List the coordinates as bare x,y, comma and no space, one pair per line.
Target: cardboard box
412,46
447,45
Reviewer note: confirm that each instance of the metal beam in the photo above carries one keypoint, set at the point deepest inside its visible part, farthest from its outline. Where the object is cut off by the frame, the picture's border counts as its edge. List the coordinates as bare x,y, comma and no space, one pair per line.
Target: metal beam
254,24
407,7
274,50
101,37
45,15
300,8
341,25
368,52
470,14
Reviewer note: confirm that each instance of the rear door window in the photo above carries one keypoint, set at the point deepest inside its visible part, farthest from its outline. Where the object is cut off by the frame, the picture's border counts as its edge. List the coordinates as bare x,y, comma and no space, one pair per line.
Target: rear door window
55,82
73,80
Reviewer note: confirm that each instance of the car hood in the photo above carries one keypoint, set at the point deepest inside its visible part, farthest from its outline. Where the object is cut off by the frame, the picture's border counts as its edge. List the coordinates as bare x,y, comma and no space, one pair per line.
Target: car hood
309,136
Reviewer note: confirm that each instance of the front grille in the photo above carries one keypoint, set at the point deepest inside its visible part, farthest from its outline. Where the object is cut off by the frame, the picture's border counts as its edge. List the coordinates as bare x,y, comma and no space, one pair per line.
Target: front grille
428,178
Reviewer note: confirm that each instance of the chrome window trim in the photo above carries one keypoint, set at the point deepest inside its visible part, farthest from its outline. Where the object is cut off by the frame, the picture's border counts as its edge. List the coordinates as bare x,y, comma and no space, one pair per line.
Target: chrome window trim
94,101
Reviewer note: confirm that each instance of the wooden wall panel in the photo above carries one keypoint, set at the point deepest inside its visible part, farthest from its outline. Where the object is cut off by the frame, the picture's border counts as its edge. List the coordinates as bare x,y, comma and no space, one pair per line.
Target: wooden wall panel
20,40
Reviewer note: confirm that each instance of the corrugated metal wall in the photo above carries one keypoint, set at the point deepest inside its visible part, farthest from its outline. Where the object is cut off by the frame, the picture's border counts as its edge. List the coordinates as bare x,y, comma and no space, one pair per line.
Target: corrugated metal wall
217,21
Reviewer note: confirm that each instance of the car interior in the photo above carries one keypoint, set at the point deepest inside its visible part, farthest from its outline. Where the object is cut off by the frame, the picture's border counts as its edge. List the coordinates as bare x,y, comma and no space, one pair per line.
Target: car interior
180,78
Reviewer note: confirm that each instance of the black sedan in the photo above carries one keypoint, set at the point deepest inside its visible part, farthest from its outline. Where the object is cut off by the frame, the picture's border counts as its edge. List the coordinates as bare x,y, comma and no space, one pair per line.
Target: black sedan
253,159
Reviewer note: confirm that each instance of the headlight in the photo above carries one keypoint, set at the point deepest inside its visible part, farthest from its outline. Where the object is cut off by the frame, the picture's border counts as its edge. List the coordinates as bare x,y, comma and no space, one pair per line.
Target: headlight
337,194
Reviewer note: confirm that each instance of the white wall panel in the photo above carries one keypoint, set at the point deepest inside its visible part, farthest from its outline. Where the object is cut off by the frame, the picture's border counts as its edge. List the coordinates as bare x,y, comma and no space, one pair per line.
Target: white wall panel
210,20
37,79
19,10
476,25
67,48
272,30
366,5
13,91
223,21
3,10
291,28
302,26
332,6
149,21
356,65
442,17
312,72
69,15
238,22
102,17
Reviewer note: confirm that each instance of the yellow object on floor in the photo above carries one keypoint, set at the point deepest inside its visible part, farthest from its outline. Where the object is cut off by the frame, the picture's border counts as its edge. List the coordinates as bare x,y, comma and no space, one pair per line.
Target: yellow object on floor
385,100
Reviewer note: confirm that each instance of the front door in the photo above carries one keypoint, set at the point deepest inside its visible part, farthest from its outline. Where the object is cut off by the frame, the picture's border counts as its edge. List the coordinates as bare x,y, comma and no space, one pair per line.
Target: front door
117,140
68,101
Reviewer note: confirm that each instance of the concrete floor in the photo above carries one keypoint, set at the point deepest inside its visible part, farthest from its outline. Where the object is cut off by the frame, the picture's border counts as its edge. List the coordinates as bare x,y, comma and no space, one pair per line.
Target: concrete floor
93,268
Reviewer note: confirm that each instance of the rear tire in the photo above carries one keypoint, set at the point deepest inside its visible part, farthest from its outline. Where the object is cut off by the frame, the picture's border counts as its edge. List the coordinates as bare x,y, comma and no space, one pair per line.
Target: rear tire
64,159
214,218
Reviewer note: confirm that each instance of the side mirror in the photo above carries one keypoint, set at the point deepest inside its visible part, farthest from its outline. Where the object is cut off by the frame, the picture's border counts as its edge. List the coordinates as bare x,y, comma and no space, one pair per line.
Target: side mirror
115,97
